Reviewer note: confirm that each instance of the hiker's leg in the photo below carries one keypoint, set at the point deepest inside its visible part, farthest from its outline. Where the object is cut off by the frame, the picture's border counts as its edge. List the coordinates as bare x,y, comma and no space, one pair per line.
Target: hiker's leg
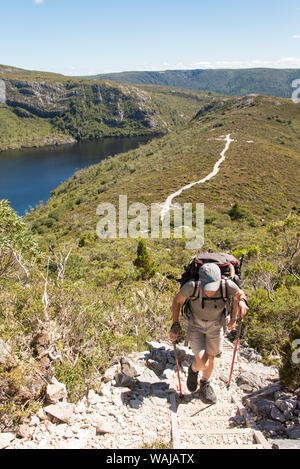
205,363
207,372
200,361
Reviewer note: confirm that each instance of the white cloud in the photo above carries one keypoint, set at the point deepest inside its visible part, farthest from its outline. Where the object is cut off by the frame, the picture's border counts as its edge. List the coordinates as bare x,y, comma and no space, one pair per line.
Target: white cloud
296,36
38,2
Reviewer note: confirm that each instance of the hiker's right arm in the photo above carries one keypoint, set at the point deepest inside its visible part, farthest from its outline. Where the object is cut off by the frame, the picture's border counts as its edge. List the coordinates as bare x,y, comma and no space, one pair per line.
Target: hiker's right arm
176,306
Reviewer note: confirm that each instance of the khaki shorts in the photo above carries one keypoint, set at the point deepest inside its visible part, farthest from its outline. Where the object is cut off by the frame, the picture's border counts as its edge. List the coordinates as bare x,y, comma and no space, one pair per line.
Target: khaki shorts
205,336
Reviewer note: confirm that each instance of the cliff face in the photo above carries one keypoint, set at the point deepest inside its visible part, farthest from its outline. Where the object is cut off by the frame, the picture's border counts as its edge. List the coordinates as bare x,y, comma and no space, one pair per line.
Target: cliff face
85,110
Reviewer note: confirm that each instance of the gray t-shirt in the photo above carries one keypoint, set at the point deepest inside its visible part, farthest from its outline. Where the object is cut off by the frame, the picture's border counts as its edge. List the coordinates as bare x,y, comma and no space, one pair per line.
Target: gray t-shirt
212,308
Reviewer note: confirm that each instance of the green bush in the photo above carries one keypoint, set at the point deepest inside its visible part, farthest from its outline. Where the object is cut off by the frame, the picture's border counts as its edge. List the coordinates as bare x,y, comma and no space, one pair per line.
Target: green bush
290,357
143,262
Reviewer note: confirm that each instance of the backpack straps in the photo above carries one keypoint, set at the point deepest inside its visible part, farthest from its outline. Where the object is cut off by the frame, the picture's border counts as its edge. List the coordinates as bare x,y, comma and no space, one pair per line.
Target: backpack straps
224,290
198,294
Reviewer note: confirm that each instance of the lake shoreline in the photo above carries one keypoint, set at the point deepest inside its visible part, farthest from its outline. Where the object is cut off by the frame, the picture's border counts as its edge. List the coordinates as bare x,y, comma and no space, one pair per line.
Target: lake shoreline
55,142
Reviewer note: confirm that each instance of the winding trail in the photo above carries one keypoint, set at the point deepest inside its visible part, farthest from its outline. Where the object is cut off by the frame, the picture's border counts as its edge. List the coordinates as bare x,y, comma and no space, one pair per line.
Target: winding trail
168,203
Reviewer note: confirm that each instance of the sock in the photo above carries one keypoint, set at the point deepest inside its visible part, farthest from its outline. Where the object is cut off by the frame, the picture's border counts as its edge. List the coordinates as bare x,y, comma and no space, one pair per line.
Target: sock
204,381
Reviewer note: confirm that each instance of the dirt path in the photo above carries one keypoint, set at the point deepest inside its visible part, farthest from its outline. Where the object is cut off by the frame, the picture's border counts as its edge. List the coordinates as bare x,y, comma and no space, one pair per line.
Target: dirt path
168,203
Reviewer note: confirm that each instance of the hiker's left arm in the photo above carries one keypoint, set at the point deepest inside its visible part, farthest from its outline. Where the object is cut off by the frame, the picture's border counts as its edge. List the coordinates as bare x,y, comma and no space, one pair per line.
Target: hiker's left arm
240,305
239,308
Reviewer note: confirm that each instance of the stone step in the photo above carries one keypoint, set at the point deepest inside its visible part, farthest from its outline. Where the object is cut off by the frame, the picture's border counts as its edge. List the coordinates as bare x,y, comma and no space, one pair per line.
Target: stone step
212,422
223,447
233,431
217,410
239,436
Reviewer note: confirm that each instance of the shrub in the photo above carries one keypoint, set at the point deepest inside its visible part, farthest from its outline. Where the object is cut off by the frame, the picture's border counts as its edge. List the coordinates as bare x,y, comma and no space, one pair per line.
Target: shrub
290,356
143,262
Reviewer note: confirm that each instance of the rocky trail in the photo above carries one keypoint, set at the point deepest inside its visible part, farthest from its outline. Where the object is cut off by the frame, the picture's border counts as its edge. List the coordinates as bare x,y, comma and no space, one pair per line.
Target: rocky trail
138,406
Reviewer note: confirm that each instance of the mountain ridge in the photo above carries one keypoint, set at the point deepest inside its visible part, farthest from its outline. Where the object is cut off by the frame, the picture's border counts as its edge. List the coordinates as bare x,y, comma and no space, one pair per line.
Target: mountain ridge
234,82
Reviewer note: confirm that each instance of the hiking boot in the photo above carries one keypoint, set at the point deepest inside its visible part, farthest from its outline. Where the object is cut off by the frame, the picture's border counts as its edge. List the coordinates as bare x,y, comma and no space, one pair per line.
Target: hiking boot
207,392
192,381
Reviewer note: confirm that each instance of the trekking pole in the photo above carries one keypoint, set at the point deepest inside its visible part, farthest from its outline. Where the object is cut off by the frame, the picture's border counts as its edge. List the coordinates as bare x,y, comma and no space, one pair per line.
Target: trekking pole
177,365
239,330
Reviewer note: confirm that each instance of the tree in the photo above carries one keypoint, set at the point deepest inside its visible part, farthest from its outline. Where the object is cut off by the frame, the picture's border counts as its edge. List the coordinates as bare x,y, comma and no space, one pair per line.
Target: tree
143,262
287,236
18,249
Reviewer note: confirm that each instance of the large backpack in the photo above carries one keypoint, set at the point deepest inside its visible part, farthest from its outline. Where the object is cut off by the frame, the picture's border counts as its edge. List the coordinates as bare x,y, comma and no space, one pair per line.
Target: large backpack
230,269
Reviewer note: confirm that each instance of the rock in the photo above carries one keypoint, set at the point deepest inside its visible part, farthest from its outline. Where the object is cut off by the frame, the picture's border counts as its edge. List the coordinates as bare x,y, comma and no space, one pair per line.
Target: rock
41,414
277,415
270,426
246,388
260,406
135,403
110,374
106,390
294,432
285,444
62,411
160,390
157,367
34,421
125,381
102,425
286,405
249,379
61,429
149,377
56,392
131,368
5,354
6,439
93,398
281,395
24,431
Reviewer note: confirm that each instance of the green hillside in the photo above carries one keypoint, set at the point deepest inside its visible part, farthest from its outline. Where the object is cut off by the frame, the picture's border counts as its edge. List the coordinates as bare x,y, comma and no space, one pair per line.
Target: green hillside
272,82
43,109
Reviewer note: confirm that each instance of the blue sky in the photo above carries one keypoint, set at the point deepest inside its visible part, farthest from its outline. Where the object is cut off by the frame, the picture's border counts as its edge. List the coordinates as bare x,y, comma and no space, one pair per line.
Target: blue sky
77,37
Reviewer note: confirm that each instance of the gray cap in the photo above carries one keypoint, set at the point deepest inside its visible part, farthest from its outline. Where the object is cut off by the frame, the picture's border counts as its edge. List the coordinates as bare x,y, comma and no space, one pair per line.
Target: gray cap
210,276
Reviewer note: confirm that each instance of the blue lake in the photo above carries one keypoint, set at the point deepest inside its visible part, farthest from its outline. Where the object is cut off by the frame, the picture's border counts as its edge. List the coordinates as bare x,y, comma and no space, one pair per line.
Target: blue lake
27,176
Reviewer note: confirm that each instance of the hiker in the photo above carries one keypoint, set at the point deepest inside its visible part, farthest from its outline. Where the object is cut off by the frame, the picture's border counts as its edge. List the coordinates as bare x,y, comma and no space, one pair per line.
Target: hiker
205,324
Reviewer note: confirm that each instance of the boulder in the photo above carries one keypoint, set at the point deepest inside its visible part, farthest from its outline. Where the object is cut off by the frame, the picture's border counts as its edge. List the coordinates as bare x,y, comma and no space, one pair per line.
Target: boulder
56,392
103,425
272,427
294,432
286,405
110,374
157,367
277,415
250,379
24,431
125,381
135,403
131,368
149,377
62,411
260,406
